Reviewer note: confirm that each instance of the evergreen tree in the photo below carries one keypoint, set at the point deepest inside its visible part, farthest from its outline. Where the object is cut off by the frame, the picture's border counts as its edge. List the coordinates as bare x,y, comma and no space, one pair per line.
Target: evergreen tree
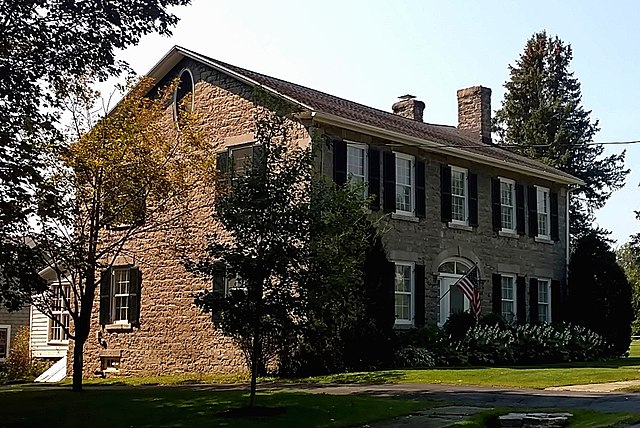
542,117
599,295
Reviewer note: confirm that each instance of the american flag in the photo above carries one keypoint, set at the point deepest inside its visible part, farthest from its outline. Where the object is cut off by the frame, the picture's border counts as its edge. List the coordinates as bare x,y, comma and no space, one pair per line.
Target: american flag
469,284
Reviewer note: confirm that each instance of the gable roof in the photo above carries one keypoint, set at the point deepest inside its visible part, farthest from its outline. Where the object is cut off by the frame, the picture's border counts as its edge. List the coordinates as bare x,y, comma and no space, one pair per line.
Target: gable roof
330,109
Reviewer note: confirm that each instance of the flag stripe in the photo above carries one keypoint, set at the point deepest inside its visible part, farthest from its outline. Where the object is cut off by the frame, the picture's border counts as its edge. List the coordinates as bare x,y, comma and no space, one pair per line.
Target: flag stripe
469,285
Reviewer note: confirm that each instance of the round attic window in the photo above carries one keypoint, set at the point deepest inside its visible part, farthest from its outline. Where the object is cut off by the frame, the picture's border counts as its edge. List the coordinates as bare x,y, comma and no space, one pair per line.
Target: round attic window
183,95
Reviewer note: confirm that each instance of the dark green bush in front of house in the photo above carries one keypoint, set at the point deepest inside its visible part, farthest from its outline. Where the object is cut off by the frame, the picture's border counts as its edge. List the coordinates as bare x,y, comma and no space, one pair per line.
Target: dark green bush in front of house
494,342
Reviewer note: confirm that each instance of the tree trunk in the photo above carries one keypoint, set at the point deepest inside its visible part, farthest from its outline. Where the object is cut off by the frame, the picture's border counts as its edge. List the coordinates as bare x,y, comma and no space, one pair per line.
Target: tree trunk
78,353
255,357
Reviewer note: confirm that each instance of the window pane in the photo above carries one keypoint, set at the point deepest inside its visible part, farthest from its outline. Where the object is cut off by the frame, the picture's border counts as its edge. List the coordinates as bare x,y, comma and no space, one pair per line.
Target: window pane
403,278
448,267
457,183
458,208
403,307
355,161
404,185
403,171
3,342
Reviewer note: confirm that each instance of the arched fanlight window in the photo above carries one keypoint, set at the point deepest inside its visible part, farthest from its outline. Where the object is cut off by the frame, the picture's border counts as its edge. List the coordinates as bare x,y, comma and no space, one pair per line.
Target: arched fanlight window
183,98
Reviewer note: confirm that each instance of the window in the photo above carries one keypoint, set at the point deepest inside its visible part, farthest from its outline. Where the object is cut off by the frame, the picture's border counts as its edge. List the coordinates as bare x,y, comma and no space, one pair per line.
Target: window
459,195
5,338
507,205
404,289
242,159
120,297
357,163
508,298
110,364
543,212
120,283
451,300
404,183
59,313
544,300
183,96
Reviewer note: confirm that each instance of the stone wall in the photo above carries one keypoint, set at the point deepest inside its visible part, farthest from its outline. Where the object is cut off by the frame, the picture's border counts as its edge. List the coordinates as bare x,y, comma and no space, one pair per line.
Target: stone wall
429,241
174,336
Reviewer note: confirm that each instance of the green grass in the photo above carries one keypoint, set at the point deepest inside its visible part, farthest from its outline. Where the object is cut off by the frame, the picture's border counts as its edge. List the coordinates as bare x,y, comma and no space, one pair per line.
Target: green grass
581,418
189,407
538,377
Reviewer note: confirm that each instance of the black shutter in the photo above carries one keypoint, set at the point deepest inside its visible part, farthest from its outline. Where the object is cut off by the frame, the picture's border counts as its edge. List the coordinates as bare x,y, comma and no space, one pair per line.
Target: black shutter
521,300
473,199
219,278
374,178
533,300
496,206
222,162
532,193
257,156
556,303
389,176
553,206
339,162
105,297
445,193
419,296
496,293
135,281
421,208
520,209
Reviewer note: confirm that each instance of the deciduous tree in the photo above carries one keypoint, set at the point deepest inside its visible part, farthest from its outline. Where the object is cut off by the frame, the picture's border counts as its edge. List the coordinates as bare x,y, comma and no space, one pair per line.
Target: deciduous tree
542,117
46,45
122,175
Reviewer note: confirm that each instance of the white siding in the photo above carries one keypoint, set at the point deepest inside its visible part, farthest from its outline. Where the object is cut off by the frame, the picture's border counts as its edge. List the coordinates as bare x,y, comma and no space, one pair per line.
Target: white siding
40,346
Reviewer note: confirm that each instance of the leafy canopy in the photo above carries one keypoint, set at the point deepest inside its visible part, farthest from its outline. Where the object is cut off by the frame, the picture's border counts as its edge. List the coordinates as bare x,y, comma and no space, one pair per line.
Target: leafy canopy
542,117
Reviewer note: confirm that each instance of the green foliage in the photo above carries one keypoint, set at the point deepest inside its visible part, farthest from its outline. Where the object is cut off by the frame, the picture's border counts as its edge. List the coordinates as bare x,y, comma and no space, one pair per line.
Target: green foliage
541,117
628,257
494,343
47,48
459,324
19,367
599,295
412,357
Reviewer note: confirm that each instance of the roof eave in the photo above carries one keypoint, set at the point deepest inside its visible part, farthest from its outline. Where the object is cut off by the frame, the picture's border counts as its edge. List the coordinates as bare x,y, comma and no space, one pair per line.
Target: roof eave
440,148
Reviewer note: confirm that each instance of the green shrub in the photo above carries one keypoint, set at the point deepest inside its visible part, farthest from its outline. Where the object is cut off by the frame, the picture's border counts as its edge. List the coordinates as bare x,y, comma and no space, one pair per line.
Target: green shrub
489,345
19,366
411,357
459,324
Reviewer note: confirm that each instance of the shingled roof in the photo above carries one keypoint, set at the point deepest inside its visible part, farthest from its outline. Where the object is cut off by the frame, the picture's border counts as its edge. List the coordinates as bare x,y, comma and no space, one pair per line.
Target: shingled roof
433,137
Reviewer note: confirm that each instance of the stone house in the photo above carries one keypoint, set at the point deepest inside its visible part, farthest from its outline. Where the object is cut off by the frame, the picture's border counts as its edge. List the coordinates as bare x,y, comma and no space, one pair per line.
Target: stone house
454,200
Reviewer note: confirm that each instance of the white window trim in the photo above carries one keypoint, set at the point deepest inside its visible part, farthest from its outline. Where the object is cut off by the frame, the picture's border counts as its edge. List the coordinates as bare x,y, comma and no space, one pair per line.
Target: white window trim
540,190
515,294
465,204
412,204
51,323
514,220
412,293
113,297
548,281
8,327
365,149
175,94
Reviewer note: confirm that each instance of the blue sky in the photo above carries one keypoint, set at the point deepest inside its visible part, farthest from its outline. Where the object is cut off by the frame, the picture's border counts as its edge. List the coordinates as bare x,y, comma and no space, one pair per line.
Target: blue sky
373,51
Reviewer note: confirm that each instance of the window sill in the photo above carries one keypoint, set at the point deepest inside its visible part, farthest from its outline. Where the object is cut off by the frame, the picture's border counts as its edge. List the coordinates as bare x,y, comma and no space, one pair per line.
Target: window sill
543,240
405,217
118,327
58,342
459,226
406,325
508,234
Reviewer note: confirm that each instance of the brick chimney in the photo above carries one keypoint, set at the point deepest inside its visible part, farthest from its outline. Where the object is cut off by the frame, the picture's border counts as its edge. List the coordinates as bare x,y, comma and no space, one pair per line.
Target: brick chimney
474,111
409,107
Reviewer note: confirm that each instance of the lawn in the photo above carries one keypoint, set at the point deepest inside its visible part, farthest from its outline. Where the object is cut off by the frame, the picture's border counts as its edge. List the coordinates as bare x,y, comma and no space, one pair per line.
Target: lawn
189,407
538,377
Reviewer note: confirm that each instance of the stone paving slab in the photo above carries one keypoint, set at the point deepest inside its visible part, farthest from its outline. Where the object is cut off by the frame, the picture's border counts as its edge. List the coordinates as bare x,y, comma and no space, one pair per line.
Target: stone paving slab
597,387
438,417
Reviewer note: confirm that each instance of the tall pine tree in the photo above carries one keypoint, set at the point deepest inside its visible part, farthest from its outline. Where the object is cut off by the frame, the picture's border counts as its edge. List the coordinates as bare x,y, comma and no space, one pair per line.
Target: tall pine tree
542,117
